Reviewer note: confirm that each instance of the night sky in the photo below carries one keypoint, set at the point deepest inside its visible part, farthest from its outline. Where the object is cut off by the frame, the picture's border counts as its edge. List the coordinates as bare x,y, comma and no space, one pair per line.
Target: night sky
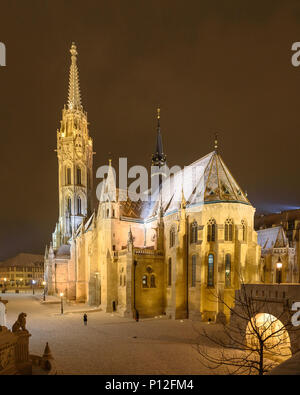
211,65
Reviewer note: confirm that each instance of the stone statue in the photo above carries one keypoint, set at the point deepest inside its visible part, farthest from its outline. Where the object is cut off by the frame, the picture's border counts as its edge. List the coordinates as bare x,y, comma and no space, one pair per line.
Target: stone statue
20,324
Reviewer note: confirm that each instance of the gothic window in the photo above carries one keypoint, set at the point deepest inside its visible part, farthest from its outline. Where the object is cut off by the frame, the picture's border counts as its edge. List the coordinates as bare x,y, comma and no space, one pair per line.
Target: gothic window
172,237
210,271
152,281
194,232
68,176
145,281
69,204
78,175
120,279
194,270
170,272
244,230
107,213
227,270
229,230
79,206
211,230
124,280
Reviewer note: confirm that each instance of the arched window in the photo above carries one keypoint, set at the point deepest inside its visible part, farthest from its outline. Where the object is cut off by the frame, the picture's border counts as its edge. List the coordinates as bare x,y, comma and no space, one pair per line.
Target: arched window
68,176
210,271
145,281
244,230
194,232
78,175
194,270
120,280
107,213
211,230
124,280
79,206
172,237
170,272
227,270
69,205
228,230
152,281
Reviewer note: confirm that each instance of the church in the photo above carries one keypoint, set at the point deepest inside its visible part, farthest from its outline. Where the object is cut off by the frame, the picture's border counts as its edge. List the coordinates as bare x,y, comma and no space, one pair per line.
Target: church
170,255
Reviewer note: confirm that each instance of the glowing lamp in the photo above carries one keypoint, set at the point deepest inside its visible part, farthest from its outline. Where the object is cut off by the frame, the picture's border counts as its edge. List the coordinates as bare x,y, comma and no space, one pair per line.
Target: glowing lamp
61,294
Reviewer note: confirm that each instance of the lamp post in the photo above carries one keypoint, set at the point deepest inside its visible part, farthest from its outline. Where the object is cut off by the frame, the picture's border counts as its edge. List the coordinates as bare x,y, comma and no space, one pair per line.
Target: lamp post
279,270
33,282
44,284
61,303
5,279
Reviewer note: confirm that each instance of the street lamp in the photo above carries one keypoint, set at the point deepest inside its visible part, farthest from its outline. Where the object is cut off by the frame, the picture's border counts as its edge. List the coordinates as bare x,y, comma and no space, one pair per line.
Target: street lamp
44,284
33,282
279,270
61,303
5,279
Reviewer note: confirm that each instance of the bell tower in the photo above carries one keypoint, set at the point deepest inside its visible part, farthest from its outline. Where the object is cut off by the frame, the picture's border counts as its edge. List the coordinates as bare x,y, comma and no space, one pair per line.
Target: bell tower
75,161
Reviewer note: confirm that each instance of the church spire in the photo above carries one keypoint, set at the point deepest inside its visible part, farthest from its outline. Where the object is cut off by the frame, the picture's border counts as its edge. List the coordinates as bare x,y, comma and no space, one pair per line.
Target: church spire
158,158
74,99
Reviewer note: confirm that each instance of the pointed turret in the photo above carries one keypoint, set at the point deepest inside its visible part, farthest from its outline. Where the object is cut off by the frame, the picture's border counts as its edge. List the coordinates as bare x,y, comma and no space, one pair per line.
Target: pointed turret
130,237
46,252
47,352
158,158
74,99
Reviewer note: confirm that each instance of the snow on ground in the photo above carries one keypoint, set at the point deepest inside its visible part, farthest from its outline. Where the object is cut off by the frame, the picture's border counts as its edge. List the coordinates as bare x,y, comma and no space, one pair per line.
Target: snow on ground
110,344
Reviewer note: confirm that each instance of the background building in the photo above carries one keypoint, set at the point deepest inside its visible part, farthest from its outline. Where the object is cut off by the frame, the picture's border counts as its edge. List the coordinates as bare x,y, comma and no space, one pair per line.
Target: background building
20,270
278,236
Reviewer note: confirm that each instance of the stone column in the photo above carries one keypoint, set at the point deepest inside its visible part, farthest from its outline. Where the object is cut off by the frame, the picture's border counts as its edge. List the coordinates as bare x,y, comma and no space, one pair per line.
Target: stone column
22,352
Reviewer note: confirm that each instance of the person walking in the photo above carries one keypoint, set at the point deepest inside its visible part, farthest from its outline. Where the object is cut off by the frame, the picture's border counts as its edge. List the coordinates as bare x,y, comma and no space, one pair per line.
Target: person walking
137,316
85,319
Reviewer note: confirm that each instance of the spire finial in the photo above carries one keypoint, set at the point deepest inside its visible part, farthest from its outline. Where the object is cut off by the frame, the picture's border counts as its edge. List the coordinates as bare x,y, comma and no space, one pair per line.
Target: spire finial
216,142
74,99
73,50
158,118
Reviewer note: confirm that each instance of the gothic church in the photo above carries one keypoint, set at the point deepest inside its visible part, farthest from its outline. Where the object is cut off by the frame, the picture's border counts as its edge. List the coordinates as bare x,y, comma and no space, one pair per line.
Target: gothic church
168,256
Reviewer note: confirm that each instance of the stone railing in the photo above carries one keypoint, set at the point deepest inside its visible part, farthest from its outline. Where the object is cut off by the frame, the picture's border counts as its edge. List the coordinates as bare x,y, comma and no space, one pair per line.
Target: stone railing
145,251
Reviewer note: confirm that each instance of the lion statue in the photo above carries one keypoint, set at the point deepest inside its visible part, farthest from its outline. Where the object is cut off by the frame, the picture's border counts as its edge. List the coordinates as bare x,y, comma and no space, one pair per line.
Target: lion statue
20,324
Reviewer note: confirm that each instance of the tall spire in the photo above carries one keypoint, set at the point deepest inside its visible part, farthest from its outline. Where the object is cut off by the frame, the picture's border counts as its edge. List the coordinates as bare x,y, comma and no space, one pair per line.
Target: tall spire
158,158
74,99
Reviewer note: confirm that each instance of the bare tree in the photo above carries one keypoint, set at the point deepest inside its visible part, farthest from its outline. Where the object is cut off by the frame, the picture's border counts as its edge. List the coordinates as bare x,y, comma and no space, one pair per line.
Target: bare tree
253,342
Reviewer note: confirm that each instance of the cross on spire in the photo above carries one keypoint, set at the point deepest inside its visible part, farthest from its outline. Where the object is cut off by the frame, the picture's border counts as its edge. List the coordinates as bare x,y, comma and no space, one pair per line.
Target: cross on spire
74,98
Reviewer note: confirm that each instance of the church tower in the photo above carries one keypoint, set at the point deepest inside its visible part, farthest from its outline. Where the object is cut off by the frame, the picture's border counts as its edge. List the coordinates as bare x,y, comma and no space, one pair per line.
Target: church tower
75,161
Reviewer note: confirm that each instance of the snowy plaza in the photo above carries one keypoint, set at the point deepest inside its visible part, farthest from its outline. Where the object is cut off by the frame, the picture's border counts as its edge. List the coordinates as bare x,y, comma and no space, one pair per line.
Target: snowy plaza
109,344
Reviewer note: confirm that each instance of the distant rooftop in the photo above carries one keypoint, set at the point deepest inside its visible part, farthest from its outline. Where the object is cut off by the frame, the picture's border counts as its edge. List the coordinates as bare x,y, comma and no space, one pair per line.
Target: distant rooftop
23,259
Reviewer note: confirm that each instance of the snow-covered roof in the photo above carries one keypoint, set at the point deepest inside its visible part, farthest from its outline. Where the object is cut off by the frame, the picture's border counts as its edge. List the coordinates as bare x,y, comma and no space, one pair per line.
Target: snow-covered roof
272,238
207,180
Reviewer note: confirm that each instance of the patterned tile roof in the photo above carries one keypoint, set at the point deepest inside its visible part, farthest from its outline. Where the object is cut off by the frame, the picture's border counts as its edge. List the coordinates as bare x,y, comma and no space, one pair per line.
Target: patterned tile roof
272,238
